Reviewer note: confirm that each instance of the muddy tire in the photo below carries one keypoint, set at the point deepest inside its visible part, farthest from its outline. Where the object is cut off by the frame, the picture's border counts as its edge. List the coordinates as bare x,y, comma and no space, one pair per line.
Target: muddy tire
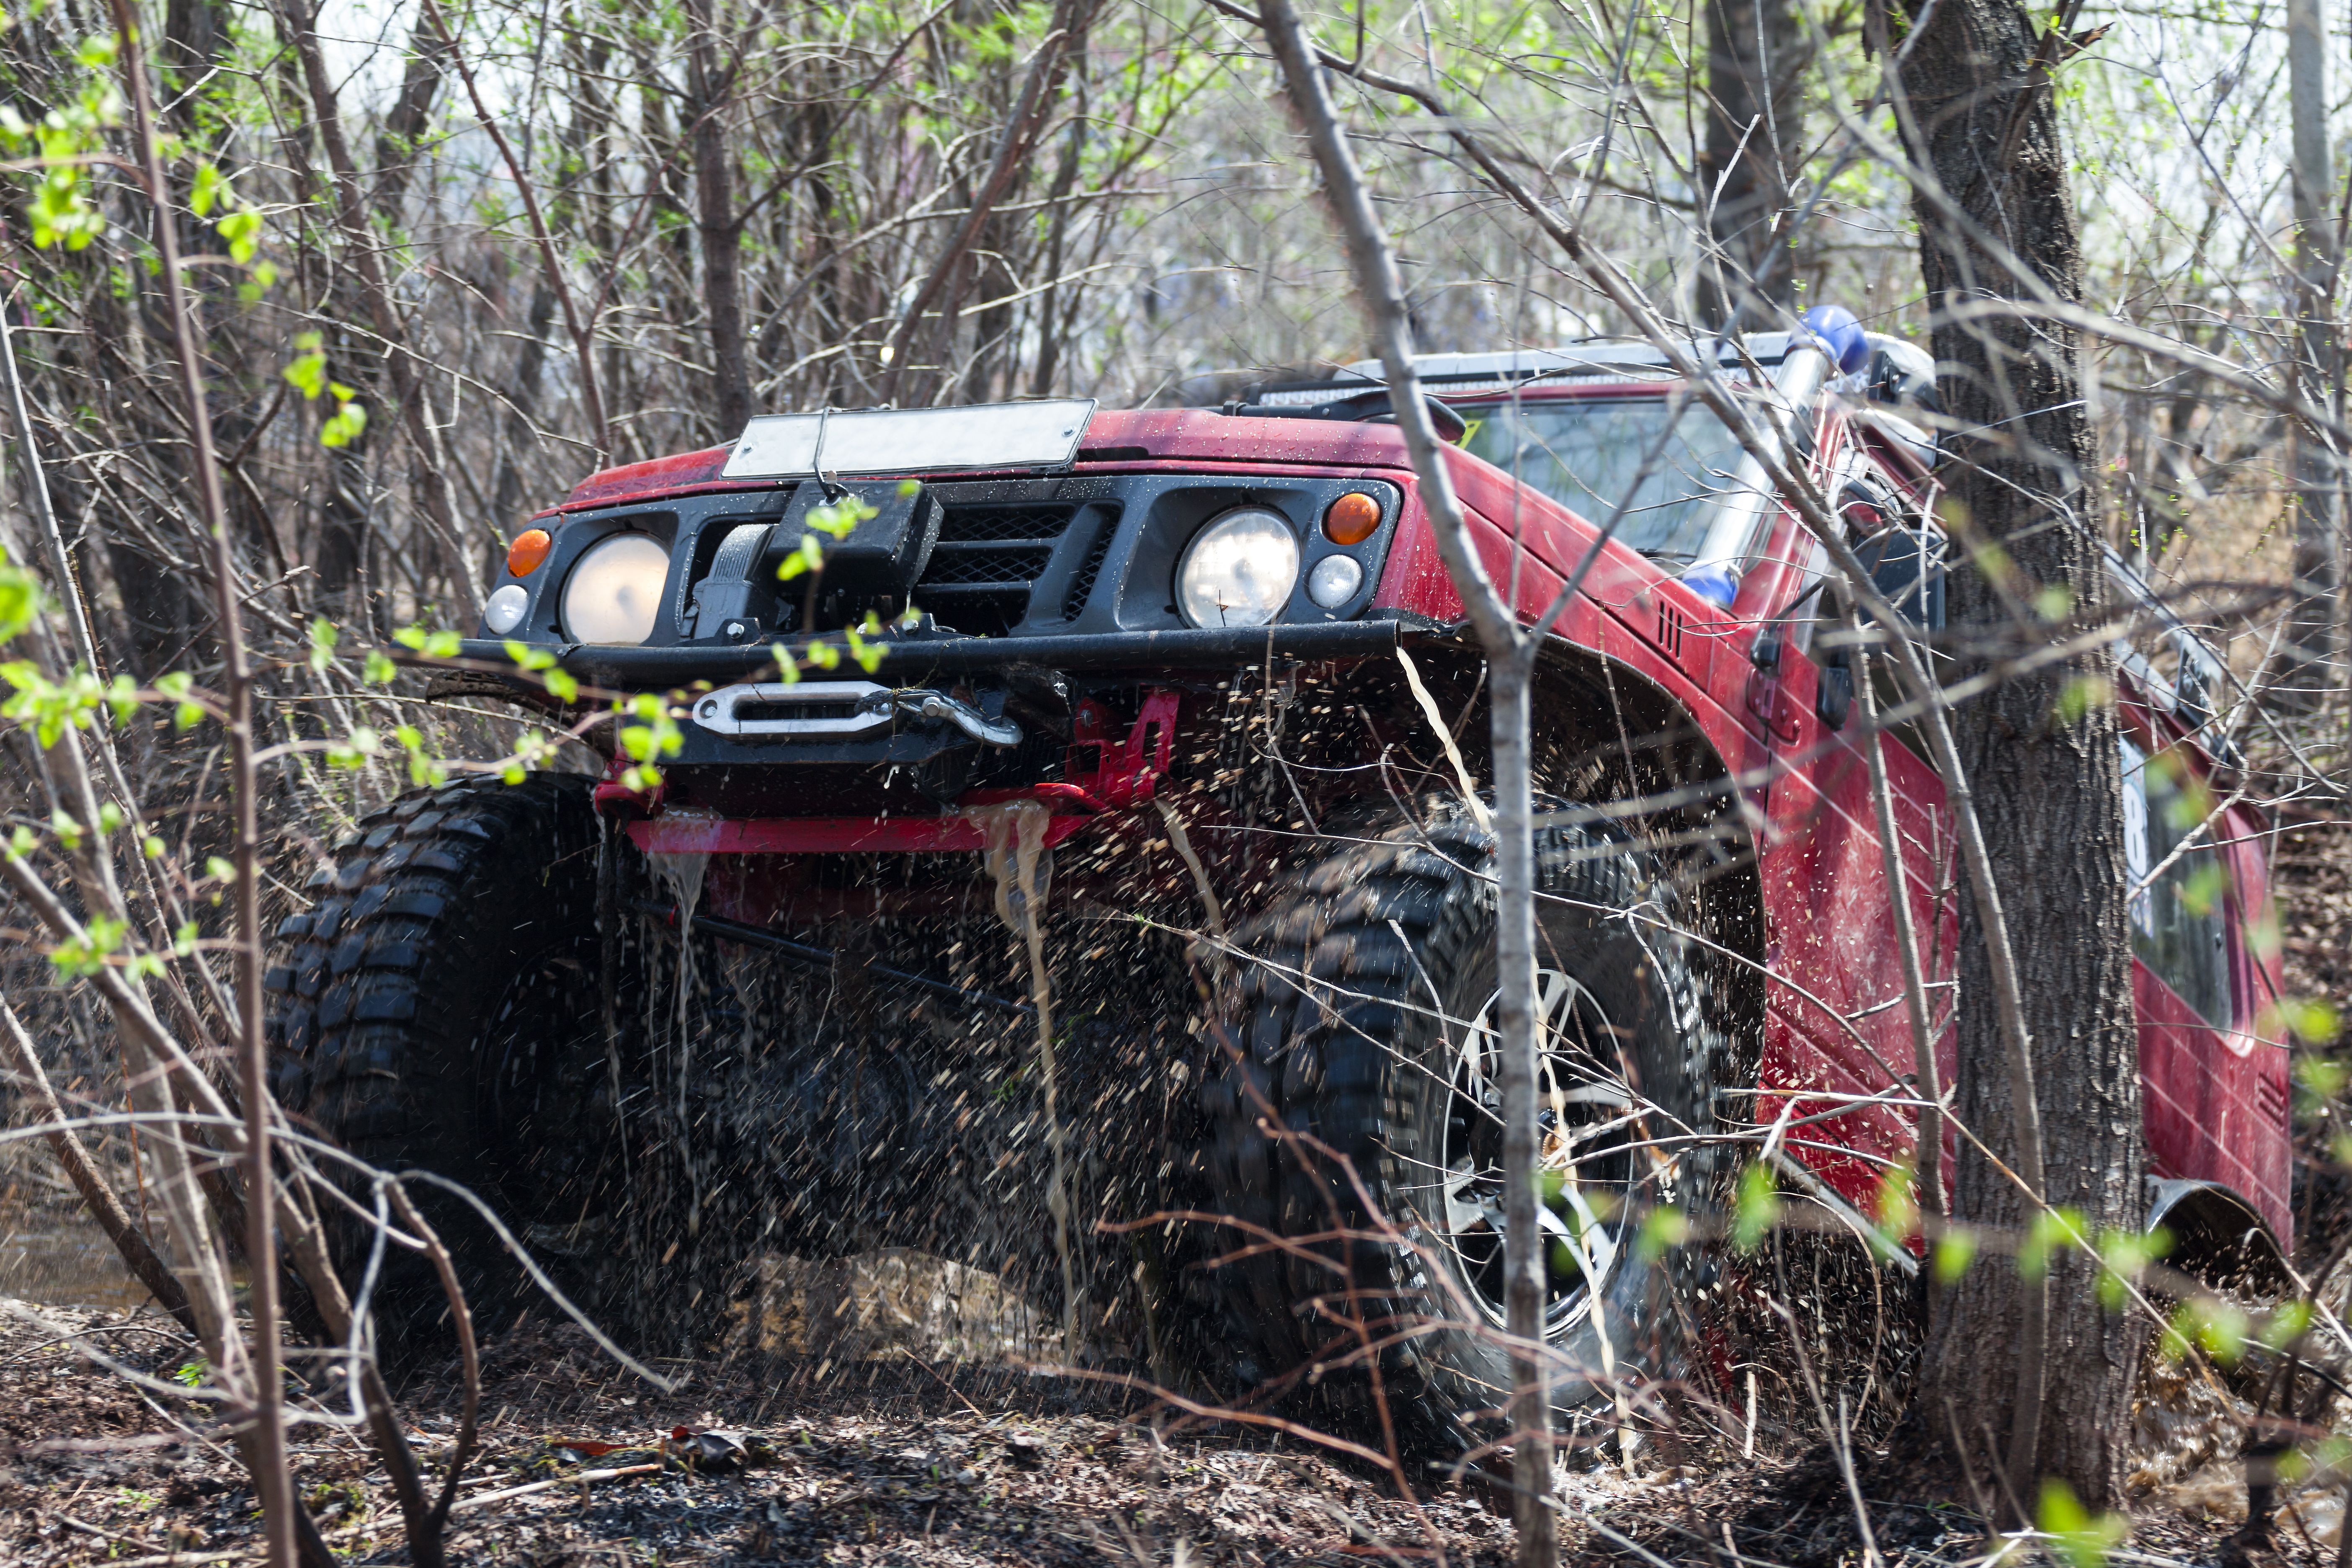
439,1008
1332,1034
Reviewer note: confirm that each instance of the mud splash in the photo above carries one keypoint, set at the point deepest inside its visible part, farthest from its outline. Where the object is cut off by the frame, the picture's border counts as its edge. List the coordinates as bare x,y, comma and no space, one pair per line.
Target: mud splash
2188,1429
681,875
1014,834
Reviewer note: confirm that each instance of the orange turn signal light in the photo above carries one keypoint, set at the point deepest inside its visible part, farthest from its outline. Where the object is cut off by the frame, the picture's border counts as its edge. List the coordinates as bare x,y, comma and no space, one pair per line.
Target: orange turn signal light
1352,519
529,549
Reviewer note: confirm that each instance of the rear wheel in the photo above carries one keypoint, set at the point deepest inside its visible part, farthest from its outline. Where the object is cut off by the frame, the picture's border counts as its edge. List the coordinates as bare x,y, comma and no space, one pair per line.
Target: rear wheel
439,1008
1366,1027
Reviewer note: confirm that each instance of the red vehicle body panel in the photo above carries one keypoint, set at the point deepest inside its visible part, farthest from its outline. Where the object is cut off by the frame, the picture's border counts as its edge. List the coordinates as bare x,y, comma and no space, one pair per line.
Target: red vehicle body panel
1836,1029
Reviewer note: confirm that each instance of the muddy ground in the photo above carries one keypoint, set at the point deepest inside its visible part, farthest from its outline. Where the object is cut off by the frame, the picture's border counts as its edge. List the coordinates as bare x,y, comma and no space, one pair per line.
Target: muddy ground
902,1460
878,1439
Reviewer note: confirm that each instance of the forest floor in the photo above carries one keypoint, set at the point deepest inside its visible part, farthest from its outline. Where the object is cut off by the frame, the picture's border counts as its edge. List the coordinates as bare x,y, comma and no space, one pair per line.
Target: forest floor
894,1457
899,1462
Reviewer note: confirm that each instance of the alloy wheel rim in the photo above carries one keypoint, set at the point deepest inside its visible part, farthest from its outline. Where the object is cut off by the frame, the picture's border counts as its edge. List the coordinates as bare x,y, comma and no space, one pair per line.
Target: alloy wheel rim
1584,1156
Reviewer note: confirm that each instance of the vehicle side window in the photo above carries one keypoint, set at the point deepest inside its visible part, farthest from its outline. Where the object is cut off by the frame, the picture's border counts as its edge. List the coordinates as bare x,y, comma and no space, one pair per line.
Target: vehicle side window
2179,927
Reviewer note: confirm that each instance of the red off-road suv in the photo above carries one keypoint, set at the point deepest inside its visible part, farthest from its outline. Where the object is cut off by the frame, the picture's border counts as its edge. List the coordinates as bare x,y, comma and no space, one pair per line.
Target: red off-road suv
771,1005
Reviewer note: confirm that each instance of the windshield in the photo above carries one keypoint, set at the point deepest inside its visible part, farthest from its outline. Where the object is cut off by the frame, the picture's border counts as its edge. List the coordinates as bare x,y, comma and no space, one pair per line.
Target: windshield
1591,453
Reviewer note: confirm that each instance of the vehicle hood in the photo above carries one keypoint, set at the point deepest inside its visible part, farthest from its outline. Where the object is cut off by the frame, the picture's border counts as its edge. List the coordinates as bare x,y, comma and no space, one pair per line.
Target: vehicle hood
1121,436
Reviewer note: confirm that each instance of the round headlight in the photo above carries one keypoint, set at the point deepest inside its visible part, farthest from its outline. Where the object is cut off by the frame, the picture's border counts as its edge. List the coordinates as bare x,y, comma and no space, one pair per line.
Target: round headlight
1239,570
505,610
615,590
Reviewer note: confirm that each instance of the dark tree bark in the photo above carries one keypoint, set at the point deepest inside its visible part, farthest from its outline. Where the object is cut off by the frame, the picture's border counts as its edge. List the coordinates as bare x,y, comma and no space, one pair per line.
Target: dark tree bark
711,86
2308,656
1998,224
1756,58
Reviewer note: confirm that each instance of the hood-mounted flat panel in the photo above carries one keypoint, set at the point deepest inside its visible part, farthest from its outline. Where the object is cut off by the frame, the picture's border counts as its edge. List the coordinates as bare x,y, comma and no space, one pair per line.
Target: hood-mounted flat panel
988,436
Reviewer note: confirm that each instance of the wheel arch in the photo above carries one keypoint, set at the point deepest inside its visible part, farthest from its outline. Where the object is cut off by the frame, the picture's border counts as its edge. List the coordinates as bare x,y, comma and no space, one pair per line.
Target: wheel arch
2218,1234
1603,729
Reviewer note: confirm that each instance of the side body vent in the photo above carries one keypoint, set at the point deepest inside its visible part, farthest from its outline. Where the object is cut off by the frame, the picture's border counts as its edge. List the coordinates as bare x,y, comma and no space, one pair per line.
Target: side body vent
1671,628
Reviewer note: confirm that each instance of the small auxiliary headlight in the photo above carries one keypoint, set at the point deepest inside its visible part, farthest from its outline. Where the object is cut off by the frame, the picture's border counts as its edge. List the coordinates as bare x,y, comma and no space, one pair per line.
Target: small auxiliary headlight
1239,570
528,552
1351,518
505,610
614,591
1334,580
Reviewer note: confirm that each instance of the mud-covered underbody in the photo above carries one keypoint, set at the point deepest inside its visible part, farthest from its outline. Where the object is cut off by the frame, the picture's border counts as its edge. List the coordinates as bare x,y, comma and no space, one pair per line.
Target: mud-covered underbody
818,1101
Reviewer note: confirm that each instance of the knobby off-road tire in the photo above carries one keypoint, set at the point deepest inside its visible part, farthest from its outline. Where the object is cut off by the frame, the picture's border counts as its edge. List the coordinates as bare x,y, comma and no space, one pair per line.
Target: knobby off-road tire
439,1008
1337,1026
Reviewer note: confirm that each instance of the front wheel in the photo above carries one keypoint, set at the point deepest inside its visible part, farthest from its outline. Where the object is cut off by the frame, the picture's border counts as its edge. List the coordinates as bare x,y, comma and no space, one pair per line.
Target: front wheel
1362,1028
439,1007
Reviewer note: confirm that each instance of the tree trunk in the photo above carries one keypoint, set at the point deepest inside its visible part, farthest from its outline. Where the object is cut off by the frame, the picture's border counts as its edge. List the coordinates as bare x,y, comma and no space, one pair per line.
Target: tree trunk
1755,58
349,506
2309,644
710,86
1976,85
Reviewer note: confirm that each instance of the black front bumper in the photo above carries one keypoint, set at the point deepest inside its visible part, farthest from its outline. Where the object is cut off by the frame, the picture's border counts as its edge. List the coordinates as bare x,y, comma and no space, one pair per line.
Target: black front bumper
913,661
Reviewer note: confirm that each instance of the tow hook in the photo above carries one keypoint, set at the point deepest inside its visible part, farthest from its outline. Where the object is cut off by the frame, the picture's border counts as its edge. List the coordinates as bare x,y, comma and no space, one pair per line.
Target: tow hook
929,704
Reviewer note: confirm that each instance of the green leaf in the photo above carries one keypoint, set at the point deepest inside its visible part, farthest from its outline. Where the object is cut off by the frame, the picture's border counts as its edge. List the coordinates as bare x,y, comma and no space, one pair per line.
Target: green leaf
2310,1019
206,189
2322,1078
323,638
20,600
1756,1209
242,230
152,847
1955,1250
2051,1228
2286,1323
441,644
840,519
122,698
86,955
2081,1540
1662,1228
354,752
2219,1328
380,670
2079,696
2123,1253
307,370
218,869
349,422
809,557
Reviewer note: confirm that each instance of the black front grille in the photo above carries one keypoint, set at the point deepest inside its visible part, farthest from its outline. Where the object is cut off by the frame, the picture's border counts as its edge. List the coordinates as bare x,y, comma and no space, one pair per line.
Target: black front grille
987,560
988,524
1091,567
988,566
